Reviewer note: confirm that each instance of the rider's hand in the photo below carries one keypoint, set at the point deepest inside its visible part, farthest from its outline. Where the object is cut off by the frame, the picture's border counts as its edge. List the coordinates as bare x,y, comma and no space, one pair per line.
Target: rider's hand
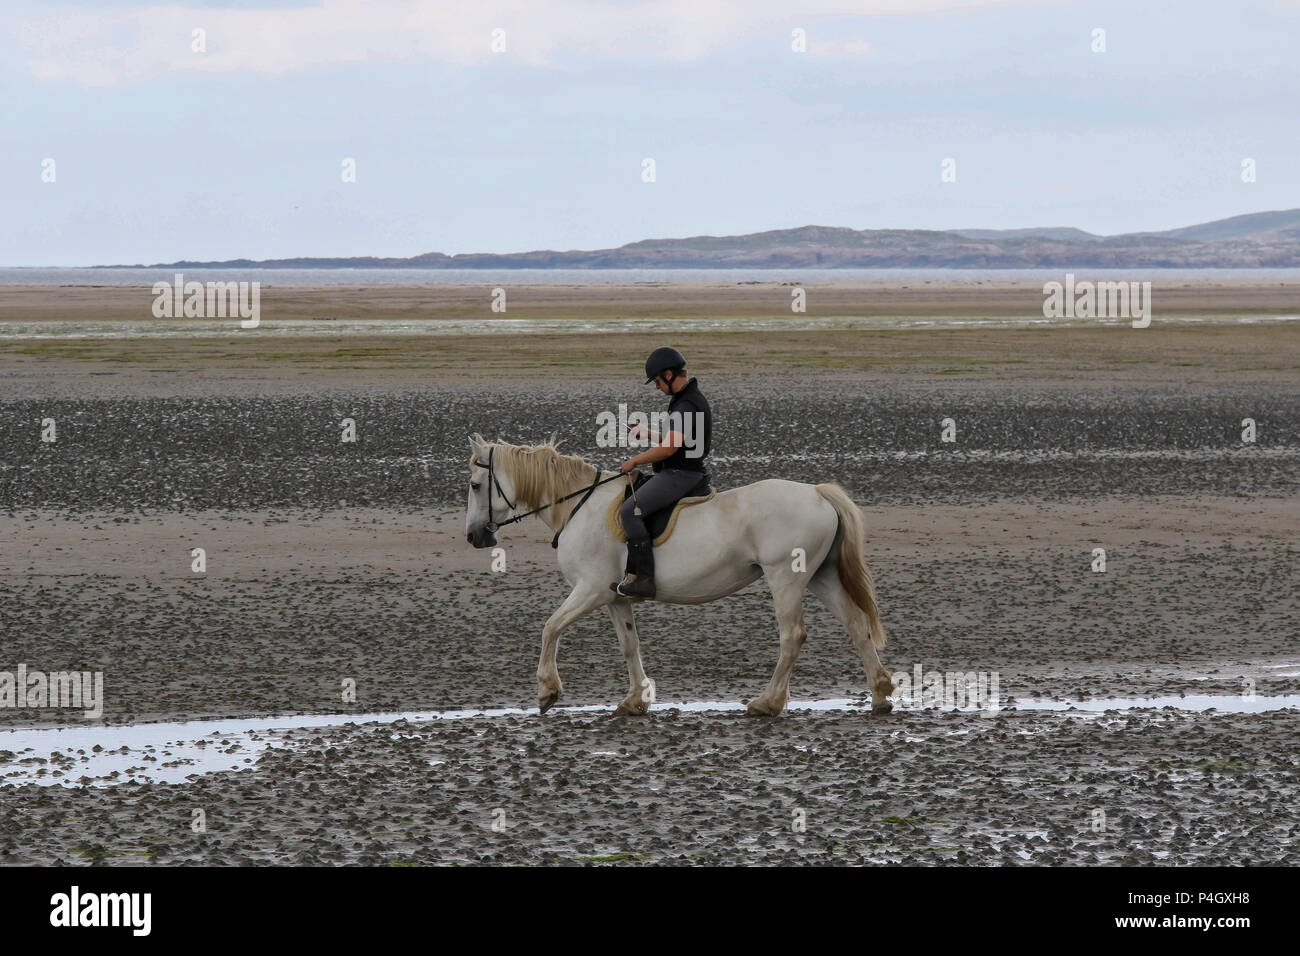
636,432
626,466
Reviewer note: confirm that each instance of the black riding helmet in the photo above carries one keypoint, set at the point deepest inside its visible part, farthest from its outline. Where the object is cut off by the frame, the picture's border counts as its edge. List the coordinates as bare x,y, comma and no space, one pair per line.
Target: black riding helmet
661,360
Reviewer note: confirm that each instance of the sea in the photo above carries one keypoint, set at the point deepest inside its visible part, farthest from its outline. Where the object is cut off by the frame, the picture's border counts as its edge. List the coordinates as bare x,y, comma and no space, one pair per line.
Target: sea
351,277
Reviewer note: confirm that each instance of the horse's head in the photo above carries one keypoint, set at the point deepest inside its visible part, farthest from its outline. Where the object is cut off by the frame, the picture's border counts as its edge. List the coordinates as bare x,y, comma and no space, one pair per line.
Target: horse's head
491,493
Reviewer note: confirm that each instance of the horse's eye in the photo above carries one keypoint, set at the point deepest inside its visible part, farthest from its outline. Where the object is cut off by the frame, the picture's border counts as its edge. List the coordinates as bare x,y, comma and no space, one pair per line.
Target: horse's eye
474,486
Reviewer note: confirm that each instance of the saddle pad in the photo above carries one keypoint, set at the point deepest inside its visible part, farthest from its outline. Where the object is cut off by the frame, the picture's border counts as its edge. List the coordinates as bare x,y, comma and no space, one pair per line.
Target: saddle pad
653,522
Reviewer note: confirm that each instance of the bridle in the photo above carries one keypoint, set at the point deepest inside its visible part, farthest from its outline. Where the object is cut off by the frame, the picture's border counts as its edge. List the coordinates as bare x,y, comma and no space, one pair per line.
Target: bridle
491,525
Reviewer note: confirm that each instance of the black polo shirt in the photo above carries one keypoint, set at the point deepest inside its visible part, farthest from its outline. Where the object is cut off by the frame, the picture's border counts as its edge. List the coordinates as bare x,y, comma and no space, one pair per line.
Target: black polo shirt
690,402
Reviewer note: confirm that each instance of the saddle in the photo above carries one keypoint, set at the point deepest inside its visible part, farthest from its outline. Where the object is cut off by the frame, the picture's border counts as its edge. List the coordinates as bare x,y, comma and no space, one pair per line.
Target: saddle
660,523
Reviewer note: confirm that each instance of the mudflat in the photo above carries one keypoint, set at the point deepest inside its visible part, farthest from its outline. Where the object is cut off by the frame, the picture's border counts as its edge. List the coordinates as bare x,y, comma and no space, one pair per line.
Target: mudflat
330,561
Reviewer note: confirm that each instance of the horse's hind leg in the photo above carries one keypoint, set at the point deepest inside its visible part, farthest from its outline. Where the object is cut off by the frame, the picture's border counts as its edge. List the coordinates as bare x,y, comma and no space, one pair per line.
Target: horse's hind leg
787,597
826,585
641,694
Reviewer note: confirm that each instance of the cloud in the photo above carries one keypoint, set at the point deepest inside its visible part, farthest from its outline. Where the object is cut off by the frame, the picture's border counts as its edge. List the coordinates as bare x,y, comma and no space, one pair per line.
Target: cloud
108,47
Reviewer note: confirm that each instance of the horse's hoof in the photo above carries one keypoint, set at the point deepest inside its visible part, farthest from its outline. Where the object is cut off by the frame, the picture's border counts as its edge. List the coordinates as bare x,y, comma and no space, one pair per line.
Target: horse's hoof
761,710
881,709
636,708
546,703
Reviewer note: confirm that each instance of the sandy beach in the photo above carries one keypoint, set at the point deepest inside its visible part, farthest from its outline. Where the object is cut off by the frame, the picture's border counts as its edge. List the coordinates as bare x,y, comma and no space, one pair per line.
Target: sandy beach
1237,333
330,561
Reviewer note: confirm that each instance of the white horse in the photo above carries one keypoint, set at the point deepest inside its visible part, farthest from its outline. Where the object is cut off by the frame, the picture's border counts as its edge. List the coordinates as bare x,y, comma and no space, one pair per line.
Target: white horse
797,536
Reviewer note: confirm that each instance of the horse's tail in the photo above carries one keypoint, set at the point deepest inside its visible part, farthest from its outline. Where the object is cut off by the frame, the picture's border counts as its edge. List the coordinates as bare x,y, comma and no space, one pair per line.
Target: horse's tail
852,566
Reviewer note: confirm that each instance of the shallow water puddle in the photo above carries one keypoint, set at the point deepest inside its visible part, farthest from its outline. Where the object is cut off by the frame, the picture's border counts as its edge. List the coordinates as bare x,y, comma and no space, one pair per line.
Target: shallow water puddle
1012,455
1293,672
171,752
195,328
1234,704
1022,455
1228,704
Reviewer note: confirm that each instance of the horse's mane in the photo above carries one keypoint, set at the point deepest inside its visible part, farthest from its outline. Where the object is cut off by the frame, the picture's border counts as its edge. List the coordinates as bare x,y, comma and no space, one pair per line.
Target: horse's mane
540,474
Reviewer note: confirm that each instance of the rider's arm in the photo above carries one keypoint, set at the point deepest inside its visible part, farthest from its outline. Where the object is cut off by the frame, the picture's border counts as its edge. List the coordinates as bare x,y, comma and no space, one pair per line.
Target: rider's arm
659,452
640,432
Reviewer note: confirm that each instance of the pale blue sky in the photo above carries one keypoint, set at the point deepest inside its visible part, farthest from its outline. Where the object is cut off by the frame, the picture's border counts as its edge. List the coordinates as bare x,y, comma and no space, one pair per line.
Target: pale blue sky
166,154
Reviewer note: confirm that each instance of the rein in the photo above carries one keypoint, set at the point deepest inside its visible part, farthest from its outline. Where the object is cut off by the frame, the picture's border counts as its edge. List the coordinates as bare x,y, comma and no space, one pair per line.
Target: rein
492,526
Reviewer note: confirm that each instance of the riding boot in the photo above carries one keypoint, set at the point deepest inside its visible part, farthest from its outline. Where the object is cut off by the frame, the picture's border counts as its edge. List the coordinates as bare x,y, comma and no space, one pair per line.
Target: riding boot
640,582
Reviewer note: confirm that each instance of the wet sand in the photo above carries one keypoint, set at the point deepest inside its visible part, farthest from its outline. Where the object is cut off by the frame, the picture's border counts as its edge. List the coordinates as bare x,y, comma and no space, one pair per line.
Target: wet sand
1215,350
923,788
826,295
294,603
329,561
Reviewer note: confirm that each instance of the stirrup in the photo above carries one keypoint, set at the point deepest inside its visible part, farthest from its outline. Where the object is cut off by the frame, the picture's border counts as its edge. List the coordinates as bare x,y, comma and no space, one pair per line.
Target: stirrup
617,588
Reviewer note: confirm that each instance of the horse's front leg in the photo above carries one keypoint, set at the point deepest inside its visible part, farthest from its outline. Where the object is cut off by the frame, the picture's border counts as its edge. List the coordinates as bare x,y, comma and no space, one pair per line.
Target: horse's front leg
641,694
580,602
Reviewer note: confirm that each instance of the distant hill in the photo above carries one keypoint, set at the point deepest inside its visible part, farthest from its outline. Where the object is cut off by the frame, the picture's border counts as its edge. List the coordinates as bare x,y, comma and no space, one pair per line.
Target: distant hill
1047,232
1264,239
1256,225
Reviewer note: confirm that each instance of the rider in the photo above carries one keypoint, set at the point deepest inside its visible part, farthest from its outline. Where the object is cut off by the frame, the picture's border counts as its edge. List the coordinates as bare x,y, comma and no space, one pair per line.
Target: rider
677,461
